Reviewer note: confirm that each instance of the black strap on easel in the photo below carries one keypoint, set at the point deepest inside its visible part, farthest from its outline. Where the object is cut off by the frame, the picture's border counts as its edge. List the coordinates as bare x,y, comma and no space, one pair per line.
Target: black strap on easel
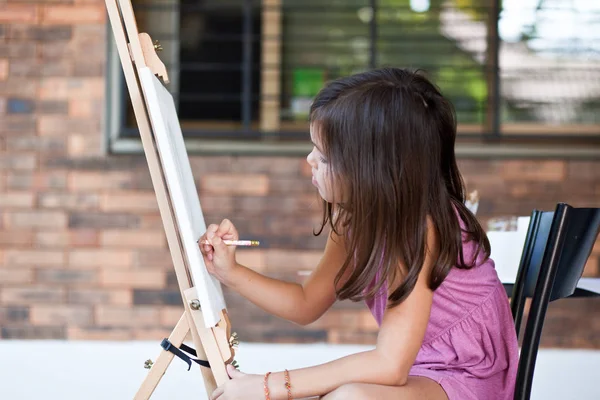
168,346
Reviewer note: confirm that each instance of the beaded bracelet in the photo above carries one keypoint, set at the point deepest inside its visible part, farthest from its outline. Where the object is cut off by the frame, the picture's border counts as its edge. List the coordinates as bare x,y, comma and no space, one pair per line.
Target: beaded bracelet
288,385
266,386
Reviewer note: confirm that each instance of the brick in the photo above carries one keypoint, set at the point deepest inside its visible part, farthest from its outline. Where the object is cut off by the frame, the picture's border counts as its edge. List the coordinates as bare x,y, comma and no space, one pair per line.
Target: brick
66,277
70,201
292,260
14,314
32,294
72,238
292,225
40,33
583,170
211,164
16,200
23,332
338,336
81,108
133,239
289,186
61,67
71,88
139,316
18,13
151,221
287,166
37,180
73,15
305,169
212,204
277,204
98,333
100,258
592,268
52,107
60,314
92,296
139,279
103,220
255,259
18,50
16,238
20,106
89,68
57,50
49,125
152,333
526,170
83,180
15,86
86,146
11,276
37,219
153,258
126,165
248,184
18,124
25,68
33,257
596,248
2,31
91,40
129,201
156,297
4,65
141,180
36,143
349,319
169,315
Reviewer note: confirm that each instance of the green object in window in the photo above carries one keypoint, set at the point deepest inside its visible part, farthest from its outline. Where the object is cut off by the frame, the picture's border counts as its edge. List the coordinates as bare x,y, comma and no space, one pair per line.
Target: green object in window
307,83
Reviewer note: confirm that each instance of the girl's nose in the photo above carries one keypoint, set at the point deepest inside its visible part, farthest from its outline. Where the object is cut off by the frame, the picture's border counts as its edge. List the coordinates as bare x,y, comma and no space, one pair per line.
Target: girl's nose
310,159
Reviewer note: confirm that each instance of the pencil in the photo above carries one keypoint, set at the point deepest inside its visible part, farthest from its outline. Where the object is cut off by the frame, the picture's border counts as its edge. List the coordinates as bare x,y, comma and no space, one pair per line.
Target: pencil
238,242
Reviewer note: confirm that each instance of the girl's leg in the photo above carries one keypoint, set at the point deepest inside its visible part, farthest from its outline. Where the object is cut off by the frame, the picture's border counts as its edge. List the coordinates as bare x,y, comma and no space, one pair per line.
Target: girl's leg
417,387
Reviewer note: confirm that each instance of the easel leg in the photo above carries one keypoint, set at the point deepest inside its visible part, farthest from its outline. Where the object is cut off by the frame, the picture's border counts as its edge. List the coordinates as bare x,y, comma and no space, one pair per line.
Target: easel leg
162,362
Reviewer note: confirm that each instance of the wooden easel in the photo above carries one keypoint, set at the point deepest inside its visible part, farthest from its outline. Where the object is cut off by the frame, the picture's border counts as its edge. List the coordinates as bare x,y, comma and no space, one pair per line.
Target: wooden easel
212,343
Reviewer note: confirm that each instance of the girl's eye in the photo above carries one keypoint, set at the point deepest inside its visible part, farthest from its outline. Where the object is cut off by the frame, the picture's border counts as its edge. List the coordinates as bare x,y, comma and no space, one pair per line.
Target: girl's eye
324,161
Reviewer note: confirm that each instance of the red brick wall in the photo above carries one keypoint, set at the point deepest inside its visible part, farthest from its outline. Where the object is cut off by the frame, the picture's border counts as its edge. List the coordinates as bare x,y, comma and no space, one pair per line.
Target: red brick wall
82,249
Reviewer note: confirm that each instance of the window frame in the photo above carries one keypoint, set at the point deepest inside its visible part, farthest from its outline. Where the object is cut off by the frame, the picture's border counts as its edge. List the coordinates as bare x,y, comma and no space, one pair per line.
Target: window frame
522,141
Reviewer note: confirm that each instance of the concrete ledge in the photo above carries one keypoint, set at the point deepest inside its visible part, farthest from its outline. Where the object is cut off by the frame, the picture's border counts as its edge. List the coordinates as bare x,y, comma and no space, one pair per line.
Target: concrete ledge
90,370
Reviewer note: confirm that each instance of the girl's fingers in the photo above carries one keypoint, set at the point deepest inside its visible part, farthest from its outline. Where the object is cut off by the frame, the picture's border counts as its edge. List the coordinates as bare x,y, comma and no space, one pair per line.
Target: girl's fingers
217,393
212,228
227,228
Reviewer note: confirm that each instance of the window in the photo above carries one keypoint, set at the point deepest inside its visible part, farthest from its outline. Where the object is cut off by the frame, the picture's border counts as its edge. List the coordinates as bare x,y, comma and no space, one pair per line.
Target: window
243,72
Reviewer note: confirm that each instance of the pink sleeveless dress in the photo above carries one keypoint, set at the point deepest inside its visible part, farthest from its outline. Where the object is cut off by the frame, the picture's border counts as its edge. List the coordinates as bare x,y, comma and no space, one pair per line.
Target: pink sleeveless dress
470,346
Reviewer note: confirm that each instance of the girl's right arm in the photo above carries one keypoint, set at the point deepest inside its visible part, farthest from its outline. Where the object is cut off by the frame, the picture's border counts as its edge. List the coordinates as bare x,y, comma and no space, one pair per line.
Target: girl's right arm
301,304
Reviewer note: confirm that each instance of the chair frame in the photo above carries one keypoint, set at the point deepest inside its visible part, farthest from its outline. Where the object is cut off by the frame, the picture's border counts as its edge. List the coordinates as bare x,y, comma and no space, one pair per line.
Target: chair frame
545,289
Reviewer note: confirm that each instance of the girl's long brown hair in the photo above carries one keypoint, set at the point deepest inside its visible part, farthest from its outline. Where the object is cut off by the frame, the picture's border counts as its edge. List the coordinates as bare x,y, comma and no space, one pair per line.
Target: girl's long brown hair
389,135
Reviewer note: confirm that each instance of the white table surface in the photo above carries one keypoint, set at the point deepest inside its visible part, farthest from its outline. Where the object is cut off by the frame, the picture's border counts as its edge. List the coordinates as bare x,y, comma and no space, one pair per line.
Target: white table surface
506,249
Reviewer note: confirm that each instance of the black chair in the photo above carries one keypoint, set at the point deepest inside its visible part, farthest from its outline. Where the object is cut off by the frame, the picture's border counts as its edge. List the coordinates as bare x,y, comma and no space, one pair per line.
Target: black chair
557,246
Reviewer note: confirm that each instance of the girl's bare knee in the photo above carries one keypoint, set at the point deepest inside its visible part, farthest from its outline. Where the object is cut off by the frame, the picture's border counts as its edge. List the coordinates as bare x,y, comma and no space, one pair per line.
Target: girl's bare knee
349,391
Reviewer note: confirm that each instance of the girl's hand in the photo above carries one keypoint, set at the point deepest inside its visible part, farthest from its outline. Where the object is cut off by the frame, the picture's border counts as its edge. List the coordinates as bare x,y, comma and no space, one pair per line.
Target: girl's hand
219,257
241,386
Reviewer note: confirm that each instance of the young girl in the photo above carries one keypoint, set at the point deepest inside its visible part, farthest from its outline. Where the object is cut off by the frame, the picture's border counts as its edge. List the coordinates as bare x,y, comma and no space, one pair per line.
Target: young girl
400,239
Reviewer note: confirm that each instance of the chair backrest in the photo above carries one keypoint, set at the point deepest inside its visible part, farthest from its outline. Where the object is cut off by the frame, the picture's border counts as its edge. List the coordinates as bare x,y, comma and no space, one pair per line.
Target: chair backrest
517,298
557,246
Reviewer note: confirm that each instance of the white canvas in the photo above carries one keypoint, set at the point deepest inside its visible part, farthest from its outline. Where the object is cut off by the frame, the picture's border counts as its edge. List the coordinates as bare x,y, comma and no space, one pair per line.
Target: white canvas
182,191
